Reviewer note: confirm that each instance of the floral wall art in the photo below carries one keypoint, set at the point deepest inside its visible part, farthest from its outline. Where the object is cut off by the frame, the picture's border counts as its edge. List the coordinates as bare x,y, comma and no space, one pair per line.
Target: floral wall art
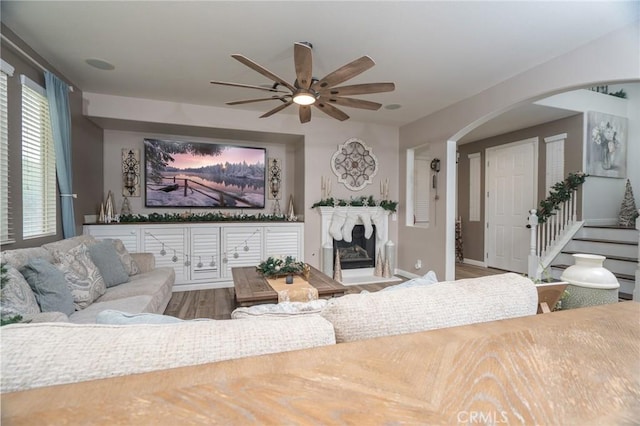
606,145
354,164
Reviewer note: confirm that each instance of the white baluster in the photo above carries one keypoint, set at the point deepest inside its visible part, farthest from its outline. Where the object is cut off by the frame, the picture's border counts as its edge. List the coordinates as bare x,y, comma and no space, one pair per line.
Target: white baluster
533,258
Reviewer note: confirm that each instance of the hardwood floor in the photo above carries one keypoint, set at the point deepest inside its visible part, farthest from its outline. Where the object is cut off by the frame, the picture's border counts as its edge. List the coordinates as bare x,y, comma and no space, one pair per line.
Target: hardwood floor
219,303
469,271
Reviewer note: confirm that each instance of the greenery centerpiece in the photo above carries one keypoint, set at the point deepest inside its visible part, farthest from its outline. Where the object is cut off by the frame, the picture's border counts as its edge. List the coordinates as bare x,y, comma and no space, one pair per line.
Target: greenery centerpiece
277,267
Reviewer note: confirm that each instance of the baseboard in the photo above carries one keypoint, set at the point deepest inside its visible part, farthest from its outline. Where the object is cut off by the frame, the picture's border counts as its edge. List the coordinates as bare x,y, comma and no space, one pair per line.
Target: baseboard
201,286
474,262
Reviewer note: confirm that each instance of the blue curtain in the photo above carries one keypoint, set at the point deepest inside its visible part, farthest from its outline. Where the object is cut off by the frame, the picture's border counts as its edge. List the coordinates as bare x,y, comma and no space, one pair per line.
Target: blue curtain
58,97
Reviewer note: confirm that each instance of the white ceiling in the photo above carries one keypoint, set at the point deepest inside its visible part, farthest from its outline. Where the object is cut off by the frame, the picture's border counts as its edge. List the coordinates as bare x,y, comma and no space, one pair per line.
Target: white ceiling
437,53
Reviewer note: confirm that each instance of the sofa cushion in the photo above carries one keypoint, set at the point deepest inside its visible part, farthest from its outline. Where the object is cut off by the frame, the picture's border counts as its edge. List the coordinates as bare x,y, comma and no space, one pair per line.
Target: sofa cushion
133,305
426,279
111,316
17,297
280,310
117,350
439,305
18,258
49,286
46,317
129,264
82,275
104,255
158,283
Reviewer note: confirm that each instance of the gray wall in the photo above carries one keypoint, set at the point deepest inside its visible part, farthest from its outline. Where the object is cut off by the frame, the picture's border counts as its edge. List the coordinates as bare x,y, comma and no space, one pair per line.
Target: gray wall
473,232
87,139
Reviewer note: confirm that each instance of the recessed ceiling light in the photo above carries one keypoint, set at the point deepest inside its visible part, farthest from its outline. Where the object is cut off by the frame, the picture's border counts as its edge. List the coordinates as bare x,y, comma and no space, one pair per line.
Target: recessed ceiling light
393,106
100,64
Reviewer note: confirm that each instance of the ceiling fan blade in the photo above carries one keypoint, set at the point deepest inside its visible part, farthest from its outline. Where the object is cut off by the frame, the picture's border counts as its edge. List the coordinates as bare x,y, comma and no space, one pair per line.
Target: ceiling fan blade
345,73
331,110
304,64
276,109
359,89
259,68
249,101
248,86
305,113
350,102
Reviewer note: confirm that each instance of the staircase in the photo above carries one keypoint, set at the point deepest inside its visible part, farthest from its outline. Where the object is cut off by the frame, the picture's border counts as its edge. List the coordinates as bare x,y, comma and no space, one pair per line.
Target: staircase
619,245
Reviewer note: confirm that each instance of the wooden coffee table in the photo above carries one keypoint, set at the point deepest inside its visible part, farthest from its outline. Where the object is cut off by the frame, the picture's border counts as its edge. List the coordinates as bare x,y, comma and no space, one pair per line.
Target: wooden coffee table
252,289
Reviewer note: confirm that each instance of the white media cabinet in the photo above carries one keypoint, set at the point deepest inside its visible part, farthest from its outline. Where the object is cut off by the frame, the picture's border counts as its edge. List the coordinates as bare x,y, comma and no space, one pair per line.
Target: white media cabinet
206,252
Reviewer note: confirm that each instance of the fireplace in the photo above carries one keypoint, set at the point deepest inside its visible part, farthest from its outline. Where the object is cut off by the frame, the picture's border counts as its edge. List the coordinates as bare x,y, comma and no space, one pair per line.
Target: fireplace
359,253
381,245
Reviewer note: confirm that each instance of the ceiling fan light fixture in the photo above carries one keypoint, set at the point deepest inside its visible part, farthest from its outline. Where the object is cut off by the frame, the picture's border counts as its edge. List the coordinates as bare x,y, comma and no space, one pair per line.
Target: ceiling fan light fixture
304,97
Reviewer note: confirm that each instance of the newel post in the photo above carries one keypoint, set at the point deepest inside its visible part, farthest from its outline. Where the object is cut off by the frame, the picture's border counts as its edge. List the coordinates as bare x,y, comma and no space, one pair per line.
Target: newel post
533,255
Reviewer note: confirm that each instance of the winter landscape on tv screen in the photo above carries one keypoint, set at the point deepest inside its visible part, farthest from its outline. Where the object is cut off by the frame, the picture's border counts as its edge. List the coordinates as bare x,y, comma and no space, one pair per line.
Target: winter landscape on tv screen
189,174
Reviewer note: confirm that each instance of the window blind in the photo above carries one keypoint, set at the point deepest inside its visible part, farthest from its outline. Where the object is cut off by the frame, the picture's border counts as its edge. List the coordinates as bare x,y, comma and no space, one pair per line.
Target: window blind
6,228
38,164
421,191
555,160
474,187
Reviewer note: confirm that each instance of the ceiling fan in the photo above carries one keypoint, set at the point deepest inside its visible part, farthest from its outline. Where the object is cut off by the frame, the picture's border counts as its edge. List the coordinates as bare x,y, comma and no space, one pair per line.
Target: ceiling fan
307,90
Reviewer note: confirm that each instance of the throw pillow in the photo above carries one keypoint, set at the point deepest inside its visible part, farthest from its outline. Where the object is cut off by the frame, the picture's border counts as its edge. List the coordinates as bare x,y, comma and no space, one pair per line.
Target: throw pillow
17,297
63,246
106,258
426,279
82,275
130,265
110,316
49,286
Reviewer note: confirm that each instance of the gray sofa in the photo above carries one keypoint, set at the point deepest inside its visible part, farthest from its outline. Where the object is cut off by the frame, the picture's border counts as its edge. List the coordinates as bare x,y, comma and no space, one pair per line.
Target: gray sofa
32,356
148,288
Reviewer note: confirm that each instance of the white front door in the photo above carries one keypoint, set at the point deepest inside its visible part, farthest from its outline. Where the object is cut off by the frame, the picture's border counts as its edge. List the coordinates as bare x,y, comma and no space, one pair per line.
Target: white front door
511,188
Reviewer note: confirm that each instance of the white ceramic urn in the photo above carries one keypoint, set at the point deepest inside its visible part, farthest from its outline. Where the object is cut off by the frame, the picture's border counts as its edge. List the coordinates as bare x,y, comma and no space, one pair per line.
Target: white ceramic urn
590,283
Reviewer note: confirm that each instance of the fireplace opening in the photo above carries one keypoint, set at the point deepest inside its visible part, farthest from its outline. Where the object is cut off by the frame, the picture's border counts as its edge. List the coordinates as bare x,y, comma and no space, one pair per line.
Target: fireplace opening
359,253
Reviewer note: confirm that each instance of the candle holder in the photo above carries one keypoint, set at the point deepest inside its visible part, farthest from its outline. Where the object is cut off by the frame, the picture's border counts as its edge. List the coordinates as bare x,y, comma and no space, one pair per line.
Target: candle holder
131,172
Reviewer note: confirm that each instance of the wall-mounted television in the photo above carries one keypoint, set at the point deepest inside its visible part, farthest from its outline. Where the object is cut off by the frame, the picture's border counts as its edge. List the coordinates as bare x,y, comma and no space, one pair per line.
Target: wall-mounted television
190,174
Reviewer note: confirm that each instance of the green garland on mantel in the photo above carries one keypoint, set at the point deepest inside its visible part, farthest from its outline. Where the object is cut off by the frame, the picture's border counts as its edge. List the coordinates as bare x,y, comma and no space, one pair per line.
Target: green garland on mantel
200,217
560,192
357,202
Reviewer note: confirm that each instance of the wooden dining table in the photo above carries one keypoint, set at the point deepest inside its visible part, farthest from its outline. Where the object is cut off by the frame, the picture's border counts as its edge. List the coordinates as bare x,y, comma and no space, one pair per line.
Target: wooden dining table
578,366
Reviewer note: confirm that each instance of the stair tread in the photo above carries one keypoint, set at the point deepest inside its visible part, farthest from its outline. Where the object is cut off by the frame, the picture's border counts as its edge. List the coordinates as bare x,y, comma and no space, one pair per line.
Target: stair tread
607,227
609,257
617,275
602,240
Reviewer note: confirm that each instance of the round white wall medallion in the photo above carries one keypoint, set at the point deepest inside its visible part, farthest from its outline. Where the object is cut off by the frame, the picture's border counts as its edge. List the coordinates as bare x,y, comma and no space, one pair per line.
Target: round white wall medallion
354,164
